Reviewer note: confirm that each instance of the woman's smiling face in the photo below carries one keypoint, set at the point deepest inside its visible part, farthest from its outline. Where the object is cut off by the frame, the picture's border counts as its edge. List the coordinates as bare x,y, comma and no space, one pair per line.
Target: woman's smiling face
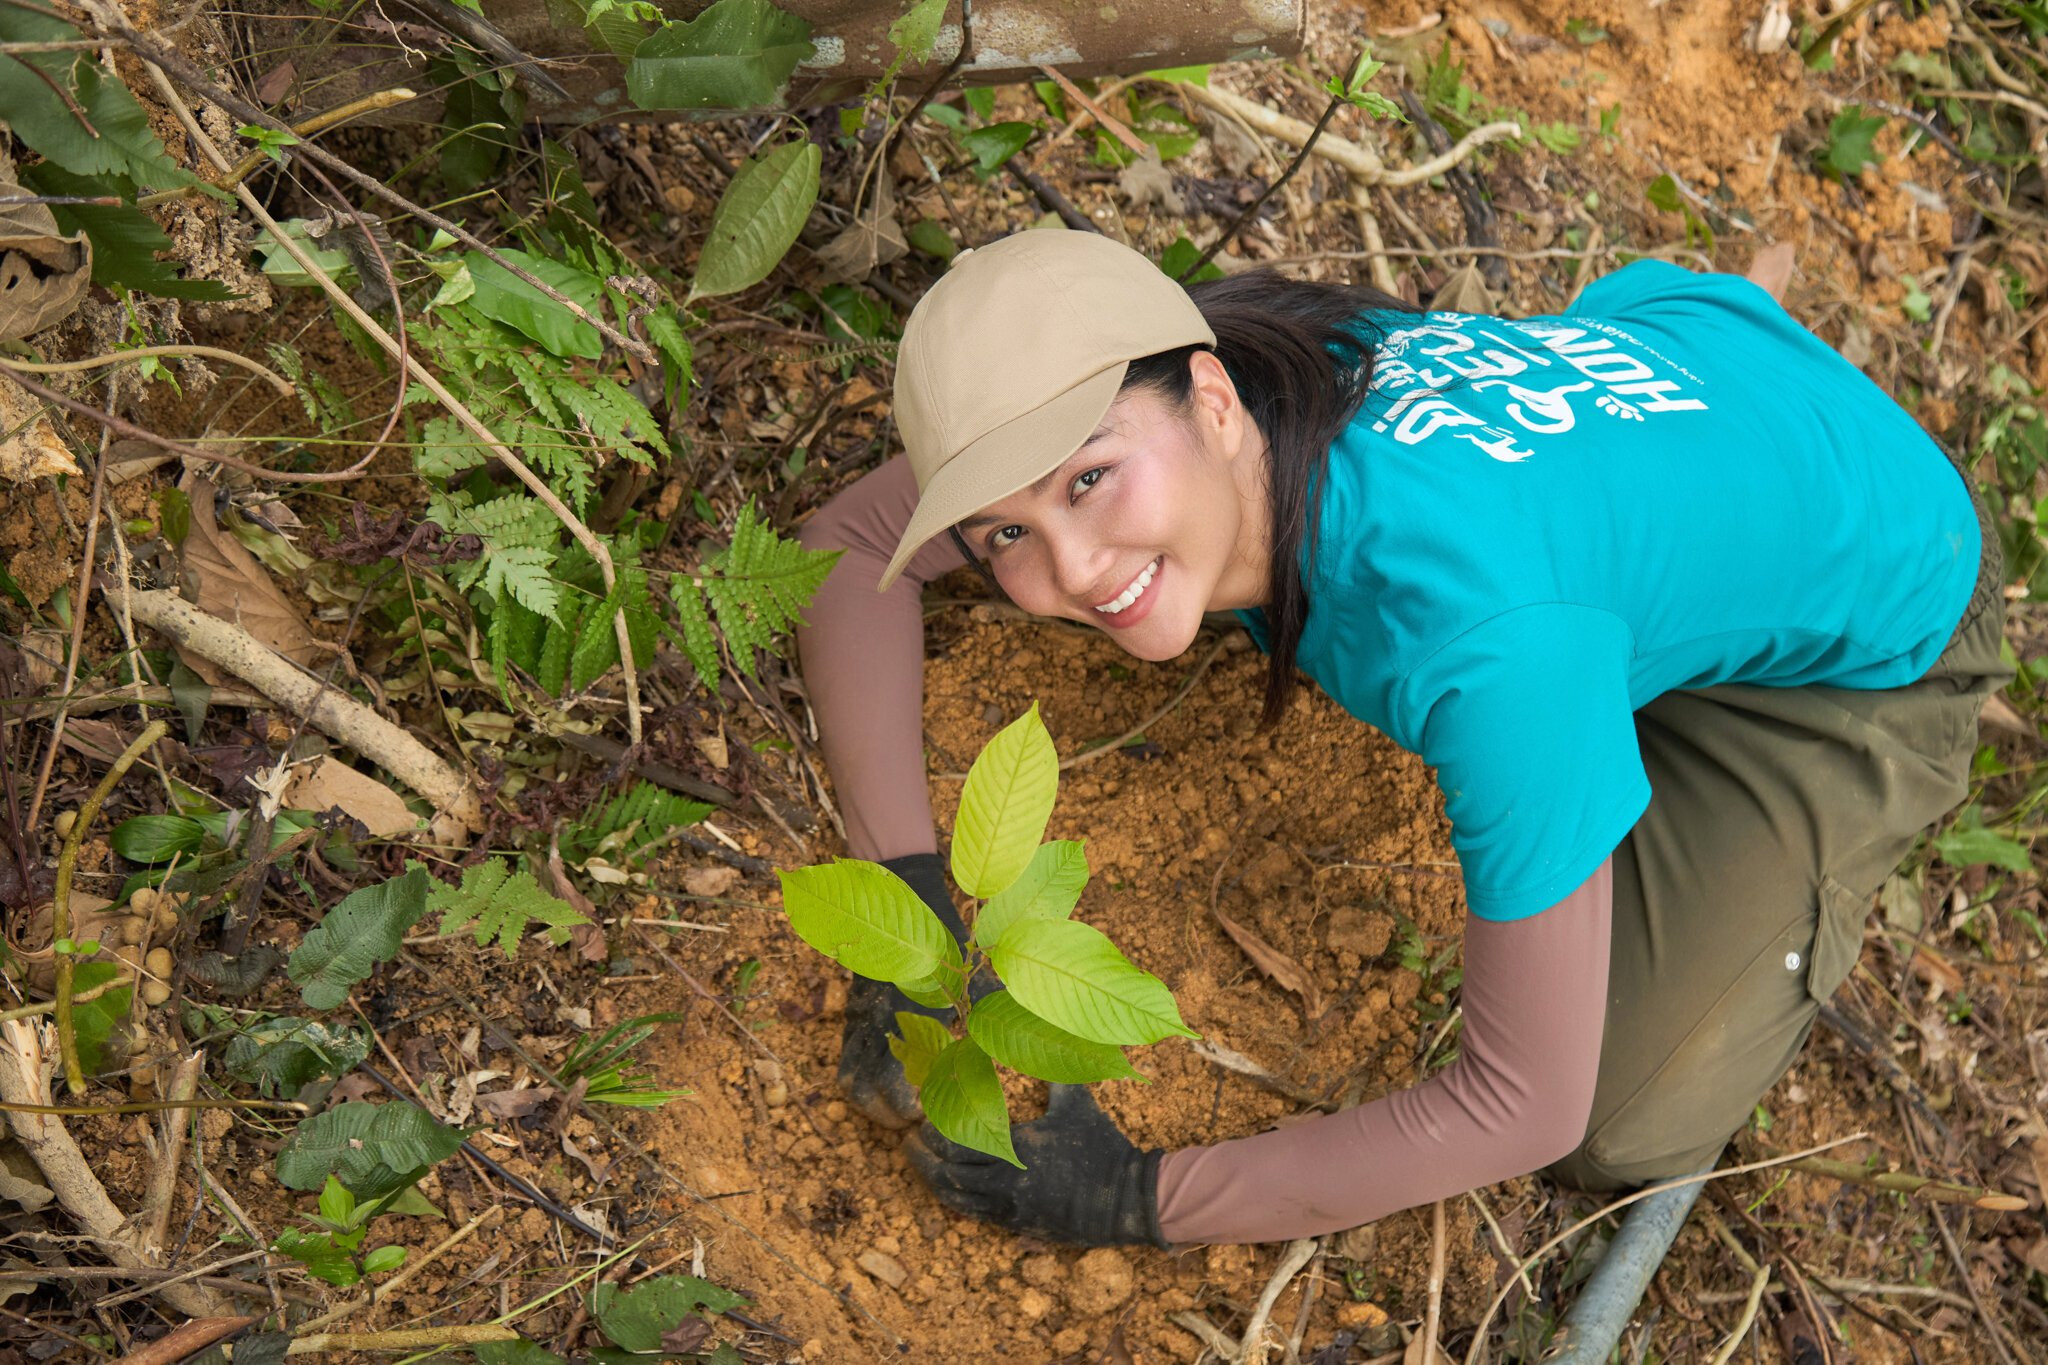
1159,517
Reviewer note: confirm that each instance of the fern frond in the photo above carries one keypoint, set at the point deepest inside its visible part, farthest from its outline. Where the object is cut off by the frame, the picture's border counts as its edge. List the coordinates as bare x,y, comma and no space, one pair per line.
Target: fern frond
694,635
502,904
630,822
763,581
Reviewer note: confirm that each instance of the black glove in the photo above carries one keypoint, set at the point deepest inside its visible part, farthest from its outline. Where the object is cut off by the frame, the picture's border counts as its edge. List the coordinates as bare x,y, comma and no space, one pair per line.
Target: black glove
868,1072
1083,1182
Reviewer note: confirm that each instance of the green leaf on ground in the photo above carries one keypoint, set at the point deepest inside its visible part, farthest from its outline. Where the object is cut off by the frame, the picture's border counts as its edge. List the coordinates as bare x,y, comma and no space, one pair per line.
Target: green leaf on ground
964,1101
1968,843
156,838
917,29
1176,259
92,1023
520,1352
1022,1041
504,297
281,1055
918,1042
319,1254
1048,888
758,219
1072,976
501,904
864,917
1004,806
376,1149
360,932
738,54
636,1319
992,146
1851,143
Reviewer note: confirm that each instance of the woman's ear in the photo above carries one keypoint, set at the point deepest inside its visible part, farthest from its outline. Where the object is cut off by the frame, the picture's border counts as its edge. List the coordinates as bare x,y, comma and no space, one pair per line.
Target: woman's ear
1218,411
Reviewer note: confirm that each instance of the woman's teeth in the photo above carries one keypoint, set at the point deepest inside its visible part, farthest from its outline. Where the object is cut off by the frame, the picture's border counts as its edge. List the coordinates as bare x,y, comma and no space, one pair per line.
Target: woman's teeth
1132,593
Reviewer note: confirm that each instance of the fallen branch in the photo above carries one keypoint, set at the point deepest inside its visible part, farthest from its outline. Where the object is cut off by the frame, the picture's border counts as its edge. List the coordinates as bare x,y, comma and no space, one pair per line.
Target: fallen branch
340,717
1918,1186
1252,1349
186,1339
67,1173
155,1219
406,1339
60,902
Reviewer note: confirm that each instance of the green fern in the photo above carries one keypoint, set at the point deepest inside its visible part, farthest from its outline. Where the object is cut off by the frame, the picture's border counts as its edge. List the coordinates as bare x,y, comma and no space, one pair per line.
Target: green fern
501,903
757,587
630,824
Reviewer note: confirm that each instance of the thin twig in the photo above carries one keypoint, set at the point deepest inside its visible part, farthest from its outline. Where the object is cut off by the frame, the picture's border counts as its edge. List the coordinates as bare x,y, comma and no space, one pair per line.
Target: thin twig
80,601
60,905
1251,210
374,102
1757,1284
1110,746
412,1268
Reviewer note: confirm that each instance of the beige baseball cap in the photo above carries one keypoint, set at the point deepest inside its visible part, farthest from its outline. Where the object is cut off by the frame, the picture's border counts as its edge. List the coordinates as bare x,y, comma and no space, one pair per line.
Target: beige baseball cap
1011,359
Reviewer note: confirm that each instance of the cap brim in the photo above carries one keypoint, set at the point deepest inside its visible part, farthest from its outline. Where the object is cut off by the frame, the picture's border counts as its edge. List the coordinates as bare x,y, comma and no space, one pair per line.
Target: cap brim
1012,456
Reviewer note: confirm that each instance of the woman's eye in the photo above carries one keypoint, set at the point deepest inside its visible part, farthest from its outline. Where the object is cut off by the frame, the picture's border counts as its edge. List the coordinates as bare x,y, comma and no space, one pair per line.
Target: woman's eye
1004,536
1089,478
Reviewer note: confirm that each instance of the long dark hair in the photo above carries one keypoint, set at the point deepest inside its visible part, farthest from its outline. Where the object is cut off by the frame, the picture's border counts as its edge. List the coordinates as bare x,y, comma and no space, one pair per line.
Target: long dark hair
1300,353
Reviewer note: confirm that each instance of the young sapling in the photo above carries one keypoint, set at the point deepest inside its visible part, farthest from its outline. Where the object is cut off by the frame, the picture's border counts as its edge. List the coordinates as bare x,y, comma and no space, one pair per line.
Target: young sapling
1070,1002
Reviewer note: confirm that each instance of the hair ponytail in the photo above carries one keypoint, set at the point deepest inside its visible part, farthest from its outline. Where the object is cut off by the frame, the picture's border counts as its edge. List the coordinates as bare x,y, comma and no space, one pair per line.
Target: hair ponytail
1300,354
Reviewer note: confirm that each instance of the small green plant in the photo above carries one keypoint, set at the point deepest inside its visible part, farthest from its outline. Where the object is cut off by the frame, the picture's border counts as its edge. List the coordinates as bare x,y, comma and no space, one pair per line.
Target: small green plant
1663,193
654,1320
1353,90
604,1065
331,1250
1071,1003
1851,143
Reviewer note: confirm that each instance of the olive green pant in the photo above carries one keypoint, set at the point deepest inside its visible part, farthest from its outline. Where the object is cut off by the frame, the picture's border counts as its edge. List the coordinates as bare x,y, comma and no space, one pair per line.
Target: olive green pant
1740,896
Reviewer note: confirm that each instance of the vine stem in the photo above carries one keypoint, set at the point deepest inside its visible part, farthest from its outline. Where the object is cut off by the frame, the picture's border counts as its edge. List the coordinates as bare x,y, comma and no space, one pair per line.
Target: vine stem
455,407
93,362
60,905
45,1006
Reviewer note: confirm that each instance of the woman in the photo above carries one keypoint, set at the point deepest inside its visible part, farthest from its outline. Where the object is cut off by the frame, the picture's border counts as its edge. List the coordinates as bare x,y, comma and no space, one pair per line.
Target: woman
1693,622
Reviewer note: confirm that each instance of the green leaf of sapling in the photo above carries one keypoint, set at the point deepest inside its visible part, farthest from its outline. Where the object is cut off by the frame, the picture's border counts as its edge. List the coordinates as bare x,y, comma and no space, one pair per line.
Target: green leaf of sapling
992,146
1004,806
156,838
383,1259
864,917
1022,1041
918,1042
1072,976
964,1101
376,1149
1048,888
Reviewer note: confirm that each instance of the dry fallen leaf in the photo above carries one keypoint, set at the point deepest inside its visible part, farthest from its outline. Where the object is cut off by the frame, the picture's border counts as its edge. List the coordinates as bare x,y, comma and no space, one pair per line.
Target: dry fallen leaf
1146,182
43,274
223,579
1276,964
710,881
874,238
32,450
328,783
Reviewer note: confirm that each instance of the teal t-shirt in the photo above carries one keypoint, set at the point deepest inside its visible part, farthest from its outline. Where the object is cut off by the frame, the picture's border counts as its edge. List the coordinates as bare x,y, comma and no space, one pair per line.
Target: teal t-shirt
1535,527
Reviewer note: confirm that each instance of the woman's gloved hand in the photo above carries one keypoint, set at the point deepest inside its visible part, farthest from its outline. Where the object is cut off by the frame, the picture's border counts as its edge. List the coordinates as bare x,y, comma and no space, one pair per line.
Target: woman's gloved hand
868,1072
1083,1182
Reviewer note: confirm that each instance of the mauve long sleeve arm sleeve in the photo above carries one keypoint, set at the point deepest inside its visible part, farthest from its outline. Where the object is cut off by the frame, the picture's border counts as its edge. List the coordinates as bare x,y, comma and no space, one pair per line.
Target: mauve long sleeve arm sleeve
1517,1098
863,661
